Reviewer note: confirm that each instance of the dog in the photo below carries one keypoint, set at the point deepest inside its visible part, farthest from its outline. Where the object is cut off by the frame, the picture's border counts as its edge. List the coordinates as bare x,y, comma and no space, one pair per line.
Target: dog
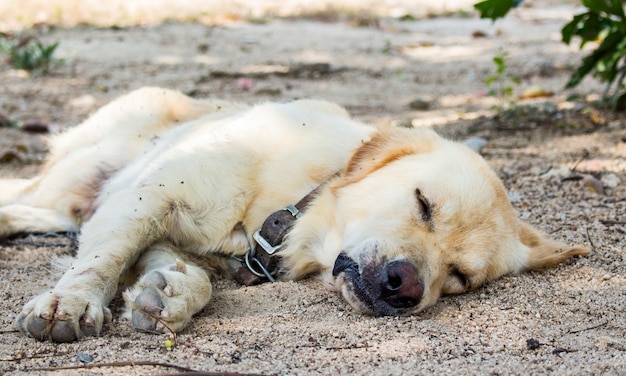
169,191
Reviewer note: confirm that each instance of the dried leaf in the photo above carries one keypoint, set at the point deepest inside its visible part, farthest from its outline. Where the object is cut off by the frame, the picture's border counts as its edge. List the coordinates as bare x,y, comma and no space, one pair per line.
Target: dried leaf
535,92
593,184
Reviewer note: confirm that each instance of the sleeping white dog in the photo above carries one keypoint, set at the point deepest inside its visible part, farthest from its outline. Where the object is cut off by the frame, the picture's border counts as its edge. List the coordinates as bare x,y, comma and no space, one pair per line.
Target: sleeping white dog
169,191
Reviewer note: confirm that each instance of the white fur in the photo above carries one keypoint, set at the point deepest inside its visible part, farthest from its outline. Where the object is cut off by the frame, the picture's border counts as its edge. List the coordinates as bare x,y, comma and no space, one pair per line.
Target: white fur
160,183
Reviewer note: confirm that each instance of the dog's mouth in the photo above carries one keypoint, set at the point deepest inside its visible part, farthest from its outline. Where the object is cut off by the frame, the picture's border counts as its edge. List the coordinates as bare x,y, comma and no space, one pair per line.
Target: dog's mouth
381,288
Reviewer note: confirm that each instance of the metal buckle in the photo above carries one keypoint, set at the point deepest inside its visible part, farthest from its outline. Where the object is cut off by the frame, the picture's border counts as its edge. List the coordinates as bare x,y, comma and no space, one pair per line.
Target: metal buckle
293,210
264,243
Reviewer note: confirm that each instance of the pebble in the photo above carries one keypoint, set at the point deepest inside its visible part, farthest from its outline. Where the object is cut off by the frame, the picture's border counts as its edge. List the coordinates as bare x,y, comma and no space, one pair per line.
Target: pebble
421,104
515,197
85,358
85,101
475,143
610,181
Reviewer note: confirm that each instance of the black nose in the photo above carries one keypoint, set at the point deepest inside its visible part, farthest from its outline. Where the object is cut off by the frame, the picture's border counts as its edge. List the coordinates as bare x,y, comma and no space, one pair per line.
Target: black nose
400,285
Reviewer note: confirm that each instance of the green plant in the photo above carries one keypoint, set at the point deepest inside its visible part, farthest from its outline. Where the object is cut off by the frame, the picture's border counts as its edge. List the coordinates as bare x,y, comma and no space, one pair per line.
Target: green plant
30,55
500,83
604,23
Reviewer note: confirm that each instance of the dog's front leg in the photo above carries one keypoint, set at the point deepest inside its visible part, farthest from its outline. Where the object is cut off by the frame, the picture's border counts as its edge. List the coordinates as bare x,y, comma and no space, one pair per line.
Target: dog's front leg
111,242
170,290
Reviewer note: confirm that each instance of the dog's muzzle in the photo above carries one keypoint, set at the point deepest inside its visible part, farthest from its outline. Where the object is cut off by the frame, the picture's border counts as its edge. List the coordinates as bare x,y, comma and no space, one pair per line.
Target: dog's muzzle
382,288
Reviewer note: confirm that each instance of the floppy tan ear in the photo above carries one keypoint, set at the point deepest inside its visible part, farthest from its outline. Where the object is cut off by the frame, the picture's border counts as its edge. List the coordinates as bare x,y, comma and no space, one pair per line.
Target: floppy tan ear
544,252
384,148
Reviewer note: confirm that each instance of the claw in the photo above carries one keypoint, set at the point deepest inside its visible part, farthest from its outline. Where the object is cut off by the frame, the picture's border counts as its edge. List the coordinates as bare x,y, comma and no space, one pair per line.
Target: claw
149,301
62,331
36,327
88,327
168,291
155,279
89,331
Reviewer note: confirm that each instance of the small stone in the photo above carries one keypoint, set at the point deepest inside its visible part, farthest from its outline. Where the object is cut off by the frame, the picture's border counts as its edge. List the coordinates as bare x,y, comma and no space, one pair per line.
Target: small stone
610,181
475,143
420,104
532,344
515,197
85,101
85,358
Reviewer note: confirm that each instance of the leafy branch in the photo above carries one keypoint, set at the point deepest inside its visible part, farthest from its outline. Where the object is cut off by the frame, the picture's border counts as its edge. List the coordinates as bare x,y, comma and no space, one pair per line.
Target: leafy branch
605,24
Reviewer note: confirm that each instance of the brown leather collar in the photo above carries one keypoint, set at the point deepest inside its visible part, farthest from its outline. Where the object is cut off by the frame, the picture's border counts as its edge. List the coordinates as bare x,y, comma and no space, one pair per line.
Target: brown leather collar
261,263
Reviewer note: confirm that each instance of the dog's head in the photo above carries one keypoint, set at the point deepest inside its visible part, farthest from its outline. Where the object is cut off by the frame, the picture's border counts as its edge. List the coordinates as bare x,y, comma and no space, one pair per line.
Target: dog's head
422,216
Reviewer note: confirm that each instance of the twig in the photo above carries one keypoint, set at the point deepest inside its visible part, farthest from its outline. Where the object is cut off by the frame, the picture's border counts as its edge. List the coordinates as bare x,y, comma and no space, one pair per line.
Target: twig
582,158
193,373
556,230
611,223
572,178
593,247
159,320
114,364
589,328
22,358
349,347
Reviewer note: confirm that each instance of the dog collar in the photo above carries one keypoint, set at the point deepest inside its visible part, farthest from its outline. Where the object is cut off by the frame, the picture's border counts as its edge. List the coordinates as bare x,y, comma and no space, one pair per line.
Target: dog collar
261,263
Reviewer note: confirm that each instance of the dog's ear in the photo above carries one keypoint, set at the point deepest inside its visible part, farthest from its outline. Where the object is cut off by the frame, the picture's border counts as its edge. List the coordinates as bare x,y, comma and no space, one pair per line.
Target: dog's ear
386,147
545,252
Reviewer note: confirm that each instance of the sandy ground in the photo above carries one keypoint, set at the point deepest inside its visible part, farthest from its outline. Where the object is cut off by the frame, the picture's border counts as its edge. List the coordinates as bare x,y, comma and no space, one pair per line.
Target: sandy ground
569,320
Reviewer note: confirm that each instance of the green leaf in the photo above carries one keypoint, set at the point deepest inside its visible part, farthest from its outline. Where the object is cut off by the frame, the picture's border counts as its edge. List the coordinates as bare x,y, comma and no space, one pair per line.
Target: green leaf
613,7
590,62
571,28
617,9
494,9
591,28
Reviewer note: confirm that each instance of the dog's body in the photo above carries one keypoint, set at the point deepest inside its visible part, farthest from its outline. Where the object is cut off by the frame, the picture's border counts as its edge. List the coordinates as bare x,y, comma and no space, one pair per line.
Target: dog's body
164,186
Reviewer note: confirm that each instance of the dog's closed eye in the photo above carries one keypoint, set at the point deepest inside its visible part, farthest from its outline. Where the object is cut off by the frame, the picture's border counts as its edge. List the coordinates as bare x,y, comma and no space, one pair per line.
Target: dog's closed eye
424,206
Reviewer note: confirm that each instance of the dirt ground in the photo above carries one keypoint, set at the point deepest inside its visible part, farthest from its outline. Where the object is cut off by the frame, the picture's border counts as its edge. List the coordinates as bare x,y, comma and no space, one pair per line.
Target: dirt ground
426,71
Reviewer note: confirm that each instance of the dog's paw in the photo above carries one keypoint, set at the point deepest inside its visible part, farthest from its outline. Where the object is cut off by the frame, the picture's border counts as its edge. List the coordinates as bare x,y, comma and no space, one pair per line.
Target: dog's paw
165,299
63,316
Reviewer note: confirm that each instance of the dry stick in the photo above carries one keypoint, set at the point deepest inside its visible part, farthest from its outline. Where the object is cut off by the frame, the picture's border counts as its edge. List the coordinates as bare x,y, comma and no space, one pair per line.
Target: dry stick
114,364
203,373
593,247
582,158
160,320
589,328
26,358
611,223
